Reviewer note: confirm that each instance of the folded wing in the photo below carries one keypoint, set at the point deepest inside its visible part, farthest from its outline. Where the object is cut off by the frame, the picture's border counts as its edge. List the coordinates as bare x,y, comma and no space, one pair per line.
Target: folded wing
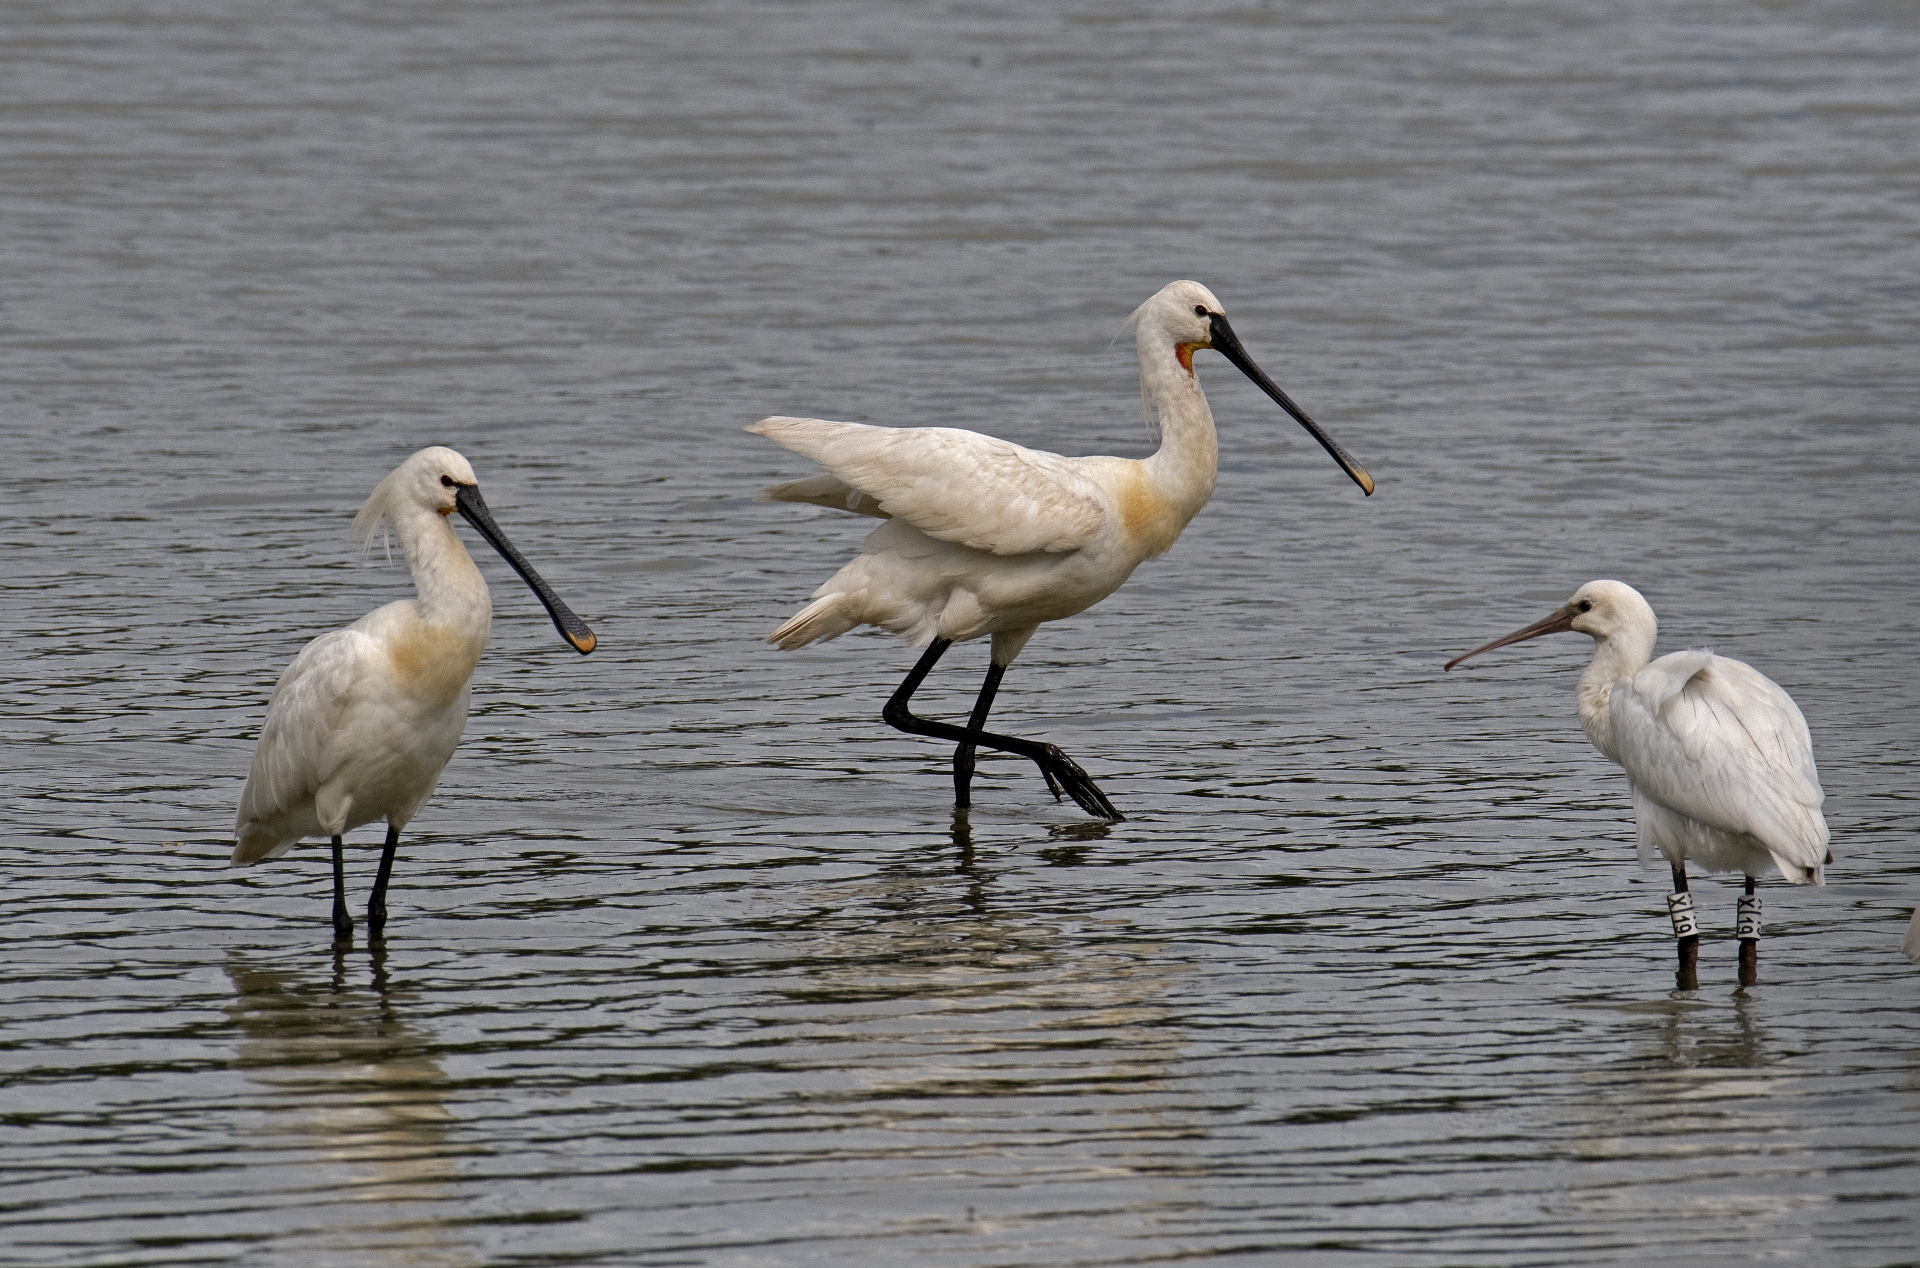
1721,743
958,486
294,758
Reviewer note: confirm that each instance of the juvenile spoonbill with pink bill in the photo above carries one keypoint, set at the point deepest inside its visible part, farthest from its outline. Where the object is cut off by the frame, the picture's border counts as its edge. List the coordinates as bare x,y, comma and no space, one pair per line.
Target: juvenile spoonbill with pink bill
1719,757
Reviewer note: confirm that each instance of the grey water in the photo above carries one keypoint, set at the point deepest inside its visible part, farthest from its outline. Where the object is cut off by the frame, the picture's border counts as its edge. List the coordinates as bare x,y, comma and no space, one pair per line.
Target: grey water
691,962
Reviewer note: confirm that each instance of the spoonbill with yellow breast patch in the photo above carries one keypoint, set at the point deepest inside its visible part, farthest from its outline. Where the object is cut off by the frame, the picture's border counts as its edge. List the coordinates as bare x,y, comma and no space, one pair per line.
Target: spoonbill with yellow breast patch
984,538
365,718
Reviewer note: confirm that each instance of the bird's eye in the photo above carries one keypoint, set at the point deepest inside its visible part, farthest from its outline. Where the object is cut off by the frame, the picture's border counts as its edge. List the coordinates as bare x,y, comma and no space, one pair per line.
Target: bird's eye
1586,605
1199,310
446,481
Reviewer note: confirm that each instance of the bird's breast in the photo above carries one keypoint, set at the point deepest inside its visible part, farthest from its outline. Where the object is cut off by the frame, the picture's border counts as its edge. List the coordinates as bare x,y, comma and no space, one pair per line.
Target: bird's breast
431,664
1149,520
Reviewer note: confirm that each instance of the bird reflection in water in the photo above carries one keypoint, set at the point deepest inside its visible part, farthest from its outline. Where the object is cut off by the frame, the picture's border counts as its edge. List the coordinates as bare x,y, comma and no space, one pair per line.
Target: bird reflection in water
963,850
1075,842
1695,1081
965,991
1076,838
356,1096
1695,1132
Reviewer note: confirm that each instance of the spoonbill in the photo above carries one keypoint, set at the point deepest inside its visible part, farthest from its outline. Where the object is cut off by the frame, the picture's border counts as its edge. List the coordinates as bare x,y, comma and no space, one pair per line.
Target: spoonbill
985,538
1720,759
364,719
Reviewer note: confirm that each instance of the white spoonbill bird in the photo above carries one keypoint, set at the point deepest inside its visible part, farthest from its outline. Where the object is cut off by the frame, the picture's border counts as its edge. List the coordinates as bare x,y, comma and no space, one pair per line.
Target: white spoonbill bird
363,720
983,537
1720,759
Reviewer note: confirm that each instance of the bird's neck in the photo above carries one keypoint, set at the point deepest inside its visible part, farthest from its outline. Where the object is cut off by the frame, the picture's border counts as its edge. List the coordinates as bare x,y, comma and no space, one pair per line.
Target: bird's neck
1184,468
1615,657
451,590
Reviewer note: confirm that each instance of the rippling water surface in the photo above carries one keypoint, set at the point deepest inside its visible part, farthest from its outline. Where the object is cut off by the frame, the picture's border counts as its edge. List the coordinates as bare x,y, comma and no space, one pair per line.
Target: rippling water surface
691,962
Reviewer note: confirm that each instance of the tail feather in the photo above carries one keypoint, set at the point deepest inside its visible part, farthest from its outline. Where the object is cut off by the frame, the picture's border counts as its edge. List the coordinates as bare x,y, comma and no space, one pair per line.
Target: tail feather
1798,873
824,618
1802,855
258,847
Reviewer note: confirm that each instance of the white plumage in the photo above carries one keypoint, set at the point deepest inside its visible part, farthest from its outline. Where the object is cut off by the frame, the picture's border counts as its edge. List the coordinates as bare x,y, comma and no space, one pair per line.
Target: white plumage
958,486
1719,756
986,538
1722,766
350,737
983,536
363,721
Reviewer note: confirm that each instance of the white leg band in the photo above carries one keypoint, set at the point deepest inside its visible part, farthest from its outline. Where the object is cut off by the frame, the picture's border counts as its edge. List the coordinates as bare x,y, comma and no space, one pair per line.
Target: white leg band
1747,922
1680,907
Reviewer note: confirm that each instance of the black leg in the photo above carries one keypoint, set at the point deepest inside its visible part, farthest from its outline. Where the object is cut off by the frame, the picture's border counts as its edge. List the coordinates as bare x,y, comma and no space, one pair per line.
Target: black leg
1687,976
342,922
377,905
1062,772
1749,930
963,754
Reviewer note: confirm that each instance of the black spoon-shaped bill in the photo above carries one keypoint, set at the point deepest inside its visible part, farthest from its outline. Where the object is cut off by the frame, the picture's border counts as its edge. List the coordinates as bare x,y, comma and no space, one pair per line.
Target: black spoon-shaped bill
571,627
1228,345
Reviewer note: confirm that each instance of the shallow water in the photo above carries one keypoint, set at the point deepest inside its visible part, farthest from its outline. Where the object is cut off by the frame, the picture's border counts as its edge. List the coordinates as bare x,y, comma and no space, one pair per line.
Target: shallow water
691,963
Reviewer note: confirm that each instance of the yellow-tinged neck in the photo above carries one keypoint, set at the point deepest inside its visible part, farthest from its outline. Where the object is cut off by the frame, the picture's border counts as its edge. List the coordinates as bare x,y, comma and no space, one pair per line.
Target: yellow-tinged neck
452,593
1182,472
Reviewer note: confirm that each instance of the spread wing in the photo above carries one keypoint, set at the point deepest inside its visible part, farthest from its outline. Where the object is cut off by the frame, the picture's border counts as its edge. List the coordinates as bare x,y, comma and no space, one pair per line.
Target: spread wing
825,490
958,486
293,758
1719,742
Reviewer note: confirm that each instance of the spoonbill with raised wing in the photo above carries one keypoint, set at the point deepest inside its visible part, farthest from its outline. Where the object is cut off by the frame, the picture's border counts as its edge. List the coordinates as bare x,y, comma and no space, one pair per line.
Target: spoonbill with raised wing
364,719
1719,756
986,538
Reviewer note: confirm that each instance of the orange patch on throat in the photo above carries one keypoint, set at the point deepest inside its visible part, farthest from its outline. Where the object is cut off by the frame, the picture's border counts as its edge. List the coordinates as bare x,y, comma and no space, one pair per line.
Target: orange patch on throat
1184,351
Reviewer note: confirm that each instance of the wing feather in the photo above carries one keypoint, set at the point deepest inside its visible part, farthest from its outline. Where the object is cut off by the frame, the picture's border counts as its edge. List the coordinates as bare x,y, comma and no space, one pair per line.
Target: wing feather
954,485
825,490
296,753
1719,742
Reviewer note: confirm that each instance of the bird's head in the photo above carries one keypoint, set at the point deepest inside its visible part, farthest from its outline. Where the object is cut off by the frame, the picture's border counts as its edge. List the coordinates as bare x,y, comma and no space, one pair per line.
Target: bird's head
1185,317
440,481
1181,314
1600,609
430,480
434,477
1605,608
